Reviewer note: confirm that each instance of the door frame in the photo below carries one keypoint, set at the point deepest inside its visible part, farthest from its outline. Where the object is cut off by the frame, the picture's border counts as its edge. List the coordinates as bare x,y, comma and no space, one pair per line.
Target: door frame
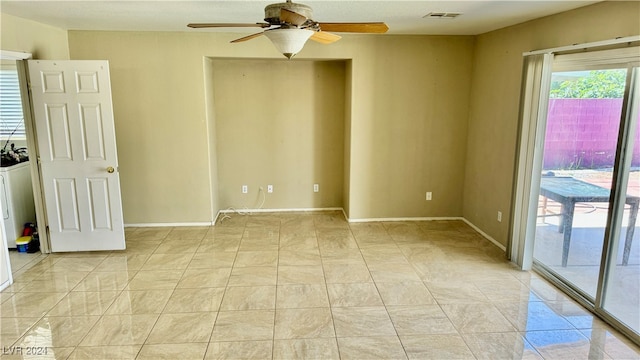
36,181
32,145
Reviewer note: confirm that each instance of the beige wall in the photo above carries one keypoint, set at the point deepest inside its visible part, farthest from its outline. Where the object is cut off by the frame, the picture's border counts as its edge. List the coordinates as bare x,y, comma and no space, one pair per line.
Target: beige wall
42,41
407,113
422,113
347,138
495,96
409,125
161,122
214,183
279,122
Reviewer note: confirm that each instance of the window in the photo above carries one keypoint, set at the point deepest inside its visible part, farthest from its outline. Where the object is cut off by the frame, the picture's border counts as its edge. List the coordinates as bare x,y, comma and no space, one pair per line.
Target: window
11,118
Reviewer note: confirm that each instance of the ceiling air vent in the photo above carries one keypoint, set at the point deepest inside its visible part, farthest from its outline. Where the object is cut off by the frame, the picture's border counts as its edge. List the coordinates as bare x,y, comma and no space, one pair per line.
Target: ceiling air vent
442,15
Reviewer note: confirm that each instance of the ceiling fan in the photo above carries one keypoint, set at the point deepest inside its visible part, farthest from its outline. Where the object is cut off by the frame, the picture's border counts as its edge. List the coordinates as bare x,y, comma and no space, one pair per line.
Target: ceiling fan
289,25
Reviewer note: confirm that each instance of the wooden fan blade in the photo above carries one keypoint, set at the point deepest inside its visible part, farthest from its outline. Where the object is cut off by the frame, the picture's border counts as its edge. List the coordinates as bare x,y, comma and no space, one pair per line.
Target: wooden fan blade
373,27
291,17
217,25
324,37
247,37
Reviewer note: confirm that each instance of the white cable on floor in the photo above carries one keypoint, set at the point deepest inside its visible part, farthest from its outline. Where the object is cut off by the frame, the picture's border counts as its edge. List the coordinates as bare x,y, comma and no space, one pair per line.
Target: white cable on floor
245,211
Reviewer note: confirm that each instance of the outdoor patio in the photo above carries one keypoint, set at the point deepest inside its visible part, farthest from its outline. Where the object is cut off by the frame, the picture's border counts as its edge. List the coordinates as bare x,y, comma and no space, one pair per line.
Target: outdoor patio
585,252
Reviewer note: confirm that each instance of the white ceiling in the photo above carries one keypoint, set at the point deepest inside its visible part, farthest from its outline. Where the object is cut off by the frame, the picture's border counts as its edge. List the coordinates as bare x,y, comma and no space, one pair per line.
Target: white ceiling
403,17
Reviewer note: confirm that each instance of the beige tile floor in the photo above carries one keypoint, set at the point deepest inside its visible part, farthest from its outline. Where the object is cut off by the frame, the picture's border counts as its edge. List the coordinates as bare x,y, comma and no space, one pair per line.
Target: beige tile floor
287,286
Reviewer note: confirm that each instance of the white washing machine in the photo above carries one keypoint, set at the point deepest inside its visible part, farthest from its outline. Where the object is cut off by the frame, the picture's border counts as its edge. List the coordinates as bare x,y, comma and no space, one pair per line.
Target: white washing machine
16,195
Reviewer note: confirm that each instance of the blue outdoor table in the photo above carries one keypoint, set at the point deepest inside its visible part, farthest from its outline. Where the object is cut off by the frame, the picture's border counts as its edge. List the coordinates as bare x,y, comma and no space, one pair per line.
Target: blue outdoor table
568,191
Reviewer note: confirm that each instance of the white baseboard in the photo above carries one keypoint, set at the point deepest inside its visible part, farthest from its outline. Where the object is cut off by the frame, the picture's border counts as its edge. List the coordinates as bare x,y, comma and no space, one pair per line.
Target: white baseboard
230,211
6,283
485,235
403,219
205,223
215,219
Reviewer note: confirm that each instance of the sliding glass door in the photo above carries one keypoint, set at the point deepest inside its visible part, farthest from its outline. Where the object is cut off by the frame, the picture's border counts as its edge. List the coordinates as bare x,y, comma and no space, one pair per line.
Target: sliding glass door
586,234
583,122
621,276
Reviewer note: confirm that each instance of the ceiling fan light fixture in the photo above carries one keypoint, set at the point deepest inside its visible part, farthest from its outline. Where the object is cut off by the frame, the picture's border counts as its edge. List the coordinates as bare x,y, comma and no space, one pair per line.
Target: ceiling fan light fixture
289,41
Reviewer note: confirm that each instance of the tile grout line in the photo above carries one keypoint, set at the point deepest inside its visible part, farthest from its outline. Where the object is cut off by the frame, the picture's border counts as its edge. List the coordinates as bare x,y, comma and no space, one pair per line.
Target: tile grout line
155,323
275,302
326,287
404,349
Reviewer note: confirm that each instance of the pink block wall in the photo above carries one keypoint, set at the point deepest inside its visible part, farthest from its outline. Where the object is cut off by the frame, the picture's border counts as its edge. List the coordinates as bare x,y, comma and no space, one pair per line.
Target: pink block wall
582,133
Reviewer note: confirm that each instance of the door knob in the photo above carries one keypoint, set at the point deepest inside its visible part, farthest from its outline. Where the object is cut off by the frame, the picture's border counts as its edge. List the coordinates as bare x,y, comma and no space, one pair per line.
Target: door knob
110,169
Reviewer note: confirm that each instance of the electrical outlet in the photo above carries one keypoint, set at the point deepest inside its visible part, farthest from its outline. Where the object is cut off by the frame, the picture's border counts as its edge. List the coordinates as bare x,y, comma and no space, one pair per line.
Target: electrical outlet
269,189
316,188
499,216
245,189
428,195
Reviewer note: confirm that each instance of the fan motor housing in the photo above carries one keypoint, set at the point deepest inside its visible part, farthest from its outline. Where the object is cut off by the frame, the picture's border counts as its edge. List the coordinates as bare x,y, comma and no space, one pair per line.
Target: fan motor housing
272,12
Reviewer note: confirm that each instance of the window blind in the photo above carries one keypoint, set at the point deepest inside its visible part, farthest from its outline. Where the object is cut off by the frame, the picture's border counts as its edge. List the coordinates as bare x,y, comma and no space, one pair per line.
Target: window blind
11,118
592,60
533,107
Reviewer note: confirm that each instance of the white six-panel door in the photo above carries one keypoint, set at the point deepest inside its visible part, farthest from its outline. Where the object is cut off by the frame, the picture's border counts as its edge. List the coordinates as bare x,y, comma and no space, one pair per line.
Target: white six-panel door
76,141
